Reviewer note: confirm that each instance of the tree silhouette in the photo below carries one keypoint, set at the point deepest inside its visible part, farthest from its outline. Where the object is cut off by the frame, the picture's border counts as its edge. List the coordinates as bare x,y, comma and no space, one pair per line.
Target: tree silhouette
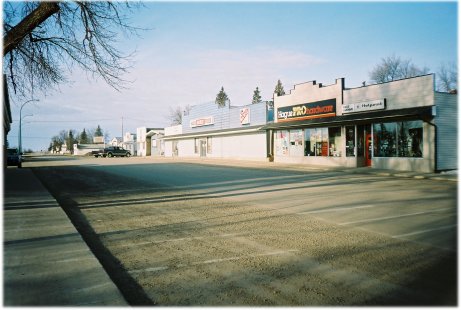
222,98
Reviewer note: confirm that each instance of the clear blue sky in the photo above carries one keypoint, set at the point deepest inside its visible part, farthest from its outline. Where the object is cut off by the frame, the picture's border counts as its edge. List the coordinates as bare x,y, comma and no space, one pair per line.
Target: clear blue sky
192,49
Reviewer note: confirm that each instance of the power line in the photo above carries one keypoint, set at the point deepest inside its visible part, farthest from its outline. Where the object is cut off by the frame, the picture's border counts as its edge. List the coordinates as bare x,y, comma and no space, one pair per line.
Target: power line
75,121
48,138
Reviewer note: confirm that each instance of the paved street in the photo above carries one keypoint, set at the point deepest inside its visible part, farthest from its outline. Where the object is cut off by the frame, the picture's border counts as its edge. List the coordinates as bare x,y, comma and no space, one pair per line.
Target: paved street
201,233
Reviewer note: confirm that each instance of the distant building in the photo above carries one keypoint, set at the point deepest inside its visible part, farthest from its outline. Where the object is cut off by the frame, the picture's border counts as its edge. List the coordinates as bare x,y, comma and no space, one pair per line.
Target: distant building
220,132
149,141
117,141
129,142
98,140
401,125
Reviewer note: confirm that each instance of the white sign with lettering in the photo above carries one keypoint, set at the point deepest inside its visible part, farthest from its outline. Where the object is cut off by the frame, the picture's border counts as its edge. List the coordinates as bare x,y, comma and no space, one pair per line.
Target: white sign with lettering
245,116
204,121
366,106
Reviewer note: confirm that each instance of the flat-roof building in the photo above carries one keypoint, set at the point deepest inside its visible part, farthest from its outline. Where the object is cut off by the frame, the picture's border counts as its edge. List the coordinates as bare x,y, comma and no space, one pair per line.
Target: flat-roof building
403,124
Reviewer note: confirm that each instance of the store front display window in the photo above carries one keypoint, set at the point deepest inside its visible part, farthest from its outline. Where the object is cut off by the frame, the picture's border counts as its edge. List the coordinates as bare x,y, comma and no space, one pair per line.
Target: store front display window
410,135
296,142
350,141
361,140
281,143
196,145
316,142
335,141
402,139
208,145
385,142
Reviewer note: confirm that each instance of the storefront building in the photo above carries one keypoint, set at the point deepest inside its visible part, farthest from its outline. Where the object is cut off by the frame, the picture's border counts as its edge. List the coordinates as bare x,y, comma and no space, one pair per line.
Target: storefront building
208,130
402,125
149,141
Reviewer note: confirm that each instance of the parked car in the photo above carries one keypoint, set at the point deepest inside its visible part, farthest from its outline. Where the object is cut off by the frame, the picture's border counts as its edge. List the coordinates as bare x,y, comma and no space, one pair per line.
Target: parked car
112,151
14,158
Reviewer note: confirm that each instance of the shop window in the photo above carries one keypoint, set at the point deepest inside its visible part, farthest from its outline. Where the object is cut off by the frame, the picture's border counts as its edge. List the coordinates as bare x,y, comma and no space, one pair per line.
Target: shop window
281,143
360,141
208,145
403,139
410,139
385,143
175,148
296,142
316,142
309,142
335,141
350,141
196,145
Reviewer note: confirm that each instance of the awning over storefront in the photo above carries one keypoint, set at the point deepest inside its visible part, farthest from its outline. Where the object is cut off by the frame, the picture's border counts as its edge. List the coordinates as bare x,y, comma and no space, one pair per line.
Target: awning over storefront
424,113
220,132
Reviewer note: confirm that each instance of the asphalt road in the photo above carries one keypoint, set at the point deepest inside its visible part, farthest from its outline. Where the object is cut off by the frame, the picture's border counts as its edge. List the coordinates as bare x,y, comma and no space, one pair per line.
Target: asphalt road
173,232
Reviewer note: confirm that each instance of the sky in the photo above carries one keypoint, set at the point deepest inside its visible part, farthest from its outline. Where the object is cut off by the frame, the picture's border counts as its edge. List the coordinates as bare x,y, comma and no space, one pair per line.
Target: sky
190,50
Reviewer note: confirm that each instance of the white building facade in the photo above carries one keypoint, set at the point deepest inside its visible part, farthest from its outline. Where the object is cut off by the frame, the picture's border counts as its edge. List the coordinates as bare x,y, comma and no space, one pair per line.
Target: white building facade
149,141
220,132
129,142
402,125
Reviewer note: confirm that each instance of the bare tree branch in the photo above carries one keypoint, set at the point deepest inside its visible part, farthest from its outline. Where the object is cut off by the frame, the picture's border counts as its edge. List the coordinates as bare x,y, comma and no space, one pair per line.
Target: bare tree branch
393,68
16,34
50,37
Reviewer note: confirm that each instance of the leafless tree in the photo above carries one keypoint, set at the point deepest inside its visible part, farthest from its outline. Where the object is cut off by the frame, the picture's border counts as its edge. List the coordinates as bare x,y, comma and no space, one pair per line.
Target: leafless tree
42,40
447,77
393,68
176,114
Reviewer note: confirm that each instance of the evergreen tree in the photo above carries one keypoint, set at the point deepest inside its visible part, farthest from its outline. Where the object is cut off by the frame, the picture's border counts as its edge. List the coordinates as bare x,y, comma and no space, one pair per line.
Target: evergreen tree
70,141
279,89
84,137
221,98
98,132
256,96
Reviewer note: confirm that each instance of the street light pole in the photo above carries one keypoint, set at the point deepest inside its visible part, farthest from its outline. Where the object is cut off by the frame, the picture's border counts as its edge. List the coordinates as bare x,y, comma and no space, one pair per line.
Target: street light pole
20,123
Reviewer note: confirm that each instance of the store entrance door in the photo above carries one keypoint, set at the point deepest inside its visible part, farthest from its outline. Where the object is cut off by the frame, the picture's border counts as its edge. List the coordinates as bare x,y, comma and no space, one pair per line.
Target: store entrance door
203,148
368,149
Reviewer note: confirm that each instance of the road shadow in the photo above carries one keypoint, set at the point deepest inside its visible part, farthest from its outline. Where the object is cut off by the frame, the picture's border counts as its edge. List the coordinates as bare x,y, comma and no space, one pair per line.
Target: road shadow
435,284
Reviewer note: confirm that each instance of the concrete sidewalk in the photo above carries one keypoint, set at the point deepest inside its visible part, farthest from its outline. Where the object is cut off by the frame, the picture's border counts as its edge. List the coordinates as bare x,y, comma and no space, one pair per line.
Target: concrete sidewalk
442,176
45,260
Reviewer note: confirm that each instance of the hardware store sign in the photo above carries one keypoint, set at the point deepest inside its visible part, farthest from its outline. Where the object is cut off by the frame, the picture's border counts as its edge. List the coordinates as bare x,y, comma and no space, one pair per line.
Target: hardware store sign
319,109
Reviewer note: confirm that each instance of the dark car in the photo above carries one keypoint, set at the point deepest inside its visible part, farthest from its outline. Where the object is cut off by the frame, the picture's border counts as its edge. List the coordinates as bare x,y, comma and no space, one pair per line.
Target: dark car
112,151
13,158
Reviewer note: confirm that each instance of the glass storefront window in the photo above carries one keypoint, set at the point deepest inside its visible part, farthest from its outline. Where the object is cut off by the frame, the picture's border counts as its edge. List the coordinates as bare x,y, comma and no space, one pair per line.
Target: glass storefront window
350,141
281,143
335,141
360,140
322,142
296,142
309,142
385,144
316,142
196,145
208,145
402,139
410,136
